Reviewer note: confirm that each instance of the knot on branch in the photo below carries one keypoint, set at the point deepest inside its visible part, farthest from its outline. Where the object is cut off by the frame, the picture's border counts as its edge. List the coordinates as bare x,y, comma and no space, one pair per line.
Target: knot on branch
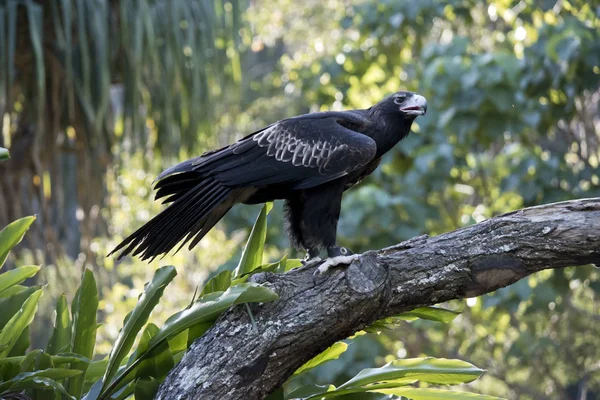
367,274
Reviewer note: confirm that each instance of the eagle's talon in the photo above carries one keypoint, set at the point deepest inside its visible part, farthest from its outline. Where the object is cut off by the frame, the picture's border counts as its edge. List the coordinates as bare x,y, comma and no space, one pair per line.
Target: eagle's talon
334,262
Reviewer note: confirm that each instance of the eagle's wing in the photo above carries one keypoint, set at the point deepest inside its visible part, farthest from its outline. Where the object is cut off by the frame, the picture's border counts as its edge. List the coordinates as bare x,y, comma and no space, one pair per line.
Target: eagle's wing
302,152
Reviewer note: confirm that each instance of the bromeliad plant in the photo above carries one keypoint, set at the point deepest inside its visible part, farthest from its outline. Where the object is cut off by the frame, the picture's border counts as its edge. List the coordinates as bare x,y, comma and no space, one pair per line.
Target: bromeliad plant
66,368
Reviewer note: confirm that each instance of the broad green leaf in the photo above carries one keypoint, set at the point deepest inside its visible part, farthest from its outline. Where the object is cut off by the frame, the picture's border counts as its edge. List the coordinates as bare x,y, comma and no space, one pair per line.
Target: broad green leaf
434,394
61,334
18,322
51,373
218,283
209,310
146,388
437,314
96,370
12,304
22,344
206,309
253,251
40,382
292,263
331,353
137,319
12,235
15,360
42,361
430,370
66,358
12,291
159,363
179,342
28,363
262,268
4,155
16,276
125,392
83,337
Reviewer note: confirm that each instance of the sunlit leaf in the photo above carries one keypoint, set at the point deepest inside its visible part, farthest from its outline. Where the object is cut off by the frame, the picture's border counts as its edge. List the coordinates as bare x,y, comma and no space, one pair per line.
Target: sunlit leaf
15,326
4,155
12,235
331,353
218,283
434,394
138,317
253,251
437,314
16,276
430,370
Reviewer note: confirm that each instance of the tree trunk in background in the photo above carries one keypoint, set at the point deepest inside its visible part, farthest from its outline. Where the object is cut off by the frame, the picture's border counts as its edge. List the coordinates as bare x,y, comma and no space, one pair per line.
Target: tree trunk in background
49,162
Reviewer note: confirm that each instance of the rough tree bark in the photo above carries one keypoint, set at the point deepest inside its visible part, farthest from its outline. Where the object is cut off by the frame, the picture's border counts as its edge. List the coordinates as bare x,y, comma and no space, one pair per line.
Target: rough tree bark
235,360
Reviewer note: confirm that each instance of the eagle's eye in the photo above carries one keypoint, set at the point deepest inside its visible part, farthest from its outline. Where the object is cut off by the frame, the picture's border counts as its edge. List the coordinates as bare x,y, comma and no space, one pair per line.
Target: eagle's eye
399,99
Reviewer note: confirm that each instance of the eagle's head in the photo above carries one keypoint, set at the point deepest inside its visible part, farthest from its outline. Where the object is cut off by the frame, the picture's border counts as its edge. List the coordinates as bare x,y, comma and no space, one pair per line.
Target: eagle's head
407,104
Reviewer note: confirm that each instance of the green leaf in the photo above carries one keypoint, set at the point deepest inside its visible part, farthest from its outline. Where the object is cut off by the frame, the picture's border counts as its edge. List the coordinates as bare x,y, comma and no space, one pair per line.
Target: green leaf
4,155
136,320
332,353
218,283
83,337
16,276
67,358
159,363
12,291
146,388
263,268
51,373
206,309
96,370
12,304
434,394
437,314
28,363
12,235
253,252
40,383
61,334
430,370
15,326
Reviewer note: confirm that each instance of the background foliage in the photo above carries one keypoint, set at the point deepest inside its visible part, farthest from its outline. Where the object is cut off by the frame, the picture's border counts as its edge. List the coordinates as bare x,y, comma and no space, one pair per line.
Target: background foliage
98,96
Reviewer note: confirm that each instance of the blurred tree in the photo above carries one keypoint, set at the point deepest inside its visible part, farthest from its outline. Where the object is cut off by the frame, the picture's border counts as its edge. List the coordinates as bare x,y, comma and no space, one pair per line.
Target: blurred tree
85,84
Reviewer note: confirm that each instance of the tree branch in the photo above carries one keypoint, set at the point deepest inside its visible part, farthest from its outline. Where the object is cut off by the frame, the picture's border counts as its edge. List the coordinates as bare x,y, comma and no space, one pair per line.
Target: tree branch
234,360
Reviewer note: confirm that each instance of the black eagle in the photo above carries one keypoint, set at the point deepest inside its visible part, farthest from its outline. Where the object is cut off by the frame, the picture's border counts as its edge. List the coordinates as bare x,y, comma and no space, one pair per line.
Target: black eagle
308,161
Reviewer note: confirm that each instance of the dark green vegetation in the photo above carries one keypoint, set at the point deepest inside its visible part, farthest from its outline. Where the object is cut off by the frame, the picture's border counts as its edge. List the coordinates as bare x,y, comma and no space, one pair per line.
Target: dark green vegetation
513,93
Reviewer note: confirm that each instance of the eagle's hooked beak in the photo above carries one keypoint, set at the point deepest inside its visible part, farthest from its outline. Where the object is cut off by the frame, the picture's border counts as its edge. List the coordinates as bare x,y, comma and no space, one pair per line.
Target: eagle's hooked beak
415,105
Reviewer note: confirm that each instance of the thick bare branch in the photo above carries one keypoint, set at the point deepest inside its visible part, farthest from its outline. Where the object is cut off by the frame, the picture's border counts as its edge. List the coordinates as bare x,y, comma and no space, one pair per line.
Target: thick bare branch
235,360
